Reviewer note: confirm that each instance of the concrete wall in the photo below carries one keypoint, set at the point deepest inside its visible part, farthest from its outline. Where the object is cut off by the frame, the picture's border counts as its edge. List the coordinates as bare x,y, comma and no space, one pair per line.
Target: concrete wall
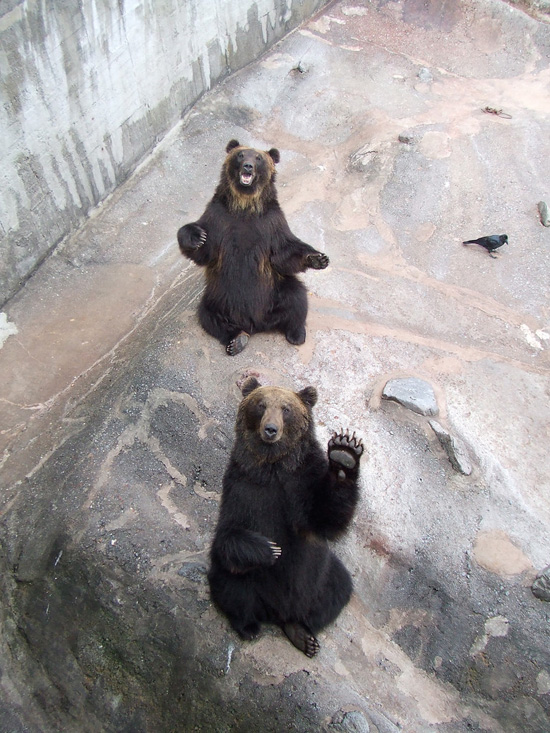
89,86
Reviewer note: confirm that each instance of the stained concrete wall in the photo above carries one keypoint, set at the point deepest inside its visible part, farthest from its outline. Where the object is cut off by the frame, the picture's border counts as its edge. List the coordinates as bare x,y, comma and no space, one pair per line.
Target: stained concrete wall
87,88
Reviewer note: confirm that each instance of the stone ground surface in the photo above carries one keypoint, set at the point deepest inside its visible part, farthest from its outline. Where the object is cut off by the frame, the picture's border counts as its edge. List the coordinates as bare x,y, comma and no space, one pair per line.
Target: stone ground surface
118,411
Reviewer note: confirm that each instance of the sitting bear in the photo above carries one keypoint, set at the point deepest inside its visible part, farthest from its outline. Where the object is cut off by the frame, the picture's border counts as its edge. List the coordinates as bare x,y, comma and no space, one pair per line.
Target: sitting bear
282,499
250,254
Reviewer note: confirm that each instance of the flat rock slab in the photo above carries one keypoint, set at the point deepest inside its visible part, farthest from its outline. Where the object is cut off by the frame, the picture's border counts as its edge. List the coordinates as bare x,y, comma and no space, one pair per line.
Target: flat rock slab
413,393
454,448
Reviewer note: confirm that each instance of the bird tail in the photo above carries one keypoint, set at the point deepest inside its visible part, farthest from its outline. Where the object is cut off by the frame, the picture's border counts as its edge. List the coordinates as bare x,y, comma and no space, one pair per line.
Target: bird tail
470,241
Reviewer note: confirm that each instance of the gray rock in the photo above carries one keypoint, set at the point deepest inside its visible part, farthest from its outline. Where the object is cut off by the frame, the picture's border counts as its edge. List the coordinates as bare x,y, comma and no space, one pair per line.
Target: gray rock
454,447
379,723
193,571
355,721
413,393
301,67
425,75
543,211
352,722
541,585
362,158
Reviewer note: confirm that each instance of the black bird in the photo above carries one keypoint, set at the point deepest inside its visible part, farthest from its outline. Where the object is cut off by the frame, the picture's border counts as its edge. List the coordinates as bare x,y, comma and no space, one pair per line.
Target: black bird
490,243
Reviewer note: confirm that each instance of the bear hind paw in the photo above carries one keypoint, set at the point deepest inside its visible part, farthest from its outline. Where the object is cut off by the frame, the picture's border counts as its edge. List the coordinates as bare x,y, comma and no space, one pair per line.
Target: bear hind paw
236,345
302,639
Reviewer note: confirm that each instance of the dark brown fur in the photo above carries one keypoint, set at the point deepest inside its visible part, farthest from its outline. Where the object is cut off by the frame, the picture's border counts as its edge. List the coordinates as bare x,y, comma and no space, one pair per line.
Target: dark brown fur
250,255
283,498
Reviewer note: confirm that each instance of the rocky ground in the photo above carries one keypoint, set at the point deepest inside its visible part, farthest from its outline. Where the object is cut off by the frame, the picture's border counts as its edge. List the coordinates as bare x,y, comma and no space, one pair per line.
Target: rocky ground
118,411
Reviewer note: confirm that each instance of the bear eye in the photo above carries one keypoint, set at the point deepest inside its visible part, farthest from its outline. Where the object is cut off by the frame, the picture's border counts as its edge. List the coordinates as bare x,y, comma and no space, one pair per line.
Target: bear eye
285,409
261,406
258,157
240,156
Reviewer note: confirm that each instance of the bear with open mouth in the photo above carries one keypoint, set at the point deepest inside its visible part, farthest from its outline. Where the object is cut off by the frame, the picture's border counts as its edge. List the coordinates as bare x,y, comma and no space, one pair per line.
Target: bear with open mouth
250,255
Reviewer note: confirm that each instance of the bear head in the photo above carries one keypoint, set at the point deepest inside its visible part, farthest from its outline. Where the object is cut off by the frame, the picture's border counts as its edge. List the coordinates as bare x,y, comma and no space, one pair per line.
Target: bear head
274,422
249,176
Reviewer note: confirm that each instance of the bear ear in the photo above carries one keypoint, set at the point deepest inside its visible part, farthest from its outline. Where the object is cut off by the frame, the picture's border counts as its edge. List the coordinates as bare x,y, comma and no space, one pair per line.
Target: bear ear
308,395
275,155
232,144
249,385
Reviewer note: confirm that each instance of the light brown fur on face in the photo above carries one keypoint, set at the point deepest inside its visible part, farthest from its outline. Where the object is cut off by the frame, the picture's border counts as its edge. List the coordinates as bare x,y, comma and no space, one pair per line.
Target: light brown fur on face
272,415
241,199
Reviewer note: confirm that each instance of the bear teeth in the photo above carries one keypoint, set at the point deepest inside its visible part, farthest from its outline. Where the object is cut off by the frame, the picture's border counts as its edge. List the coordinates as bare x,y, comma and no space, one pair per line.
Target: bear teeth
246,179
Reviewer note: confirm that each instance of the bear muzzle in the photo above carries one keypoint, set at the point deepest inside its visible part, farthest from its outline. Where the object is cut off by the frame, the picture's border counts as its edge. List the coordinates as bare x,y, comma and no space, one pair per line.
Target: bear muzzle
247,174
270,433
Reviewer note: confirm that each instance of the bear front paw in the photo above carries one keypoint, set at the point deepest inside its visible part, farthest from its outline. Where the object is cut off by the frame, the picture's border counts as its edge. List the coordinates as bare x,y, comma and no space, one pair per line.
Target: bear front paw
318,261
345,450
191,237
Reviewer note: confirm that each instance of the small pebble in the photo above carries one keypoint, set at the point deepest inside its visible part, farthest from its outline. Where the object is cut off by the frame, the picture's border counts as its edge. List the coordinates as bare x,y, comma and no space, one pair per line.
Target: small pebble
541,585
543,211
425,75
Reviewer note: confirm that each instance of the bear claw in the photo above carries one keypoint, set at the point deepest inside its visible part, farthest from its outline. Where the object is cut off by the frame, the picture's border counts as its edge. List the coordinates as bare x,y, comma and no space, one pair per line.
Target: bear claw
345,449
275,549
198,237
236,345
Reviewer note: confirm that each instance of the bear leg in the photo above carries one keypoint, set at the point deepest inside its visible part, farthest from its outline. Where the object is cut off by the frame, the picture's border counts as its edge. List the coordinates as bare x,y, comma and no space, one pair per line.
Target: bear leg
245,631
225,332
236,597
289,311
333,596
302,638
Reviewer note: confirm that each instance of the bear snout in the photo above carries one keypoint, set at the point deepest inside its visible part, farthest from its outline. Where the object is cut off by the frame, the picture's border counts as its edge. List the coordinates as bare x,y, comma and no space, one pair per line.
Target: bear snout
247,174
270,433
272,425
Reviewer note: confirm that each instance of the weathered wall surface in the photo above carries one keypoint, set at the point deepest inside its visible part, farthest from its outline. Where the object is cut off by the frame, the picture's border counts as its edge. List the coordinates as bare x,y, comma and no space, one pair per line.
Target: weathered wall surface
88,87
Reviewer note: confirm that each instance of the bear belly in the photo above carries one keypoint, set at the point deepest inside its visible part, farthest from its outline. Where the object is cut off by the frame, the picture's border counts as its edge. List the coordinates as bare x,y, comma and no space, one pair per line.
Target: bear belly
241,285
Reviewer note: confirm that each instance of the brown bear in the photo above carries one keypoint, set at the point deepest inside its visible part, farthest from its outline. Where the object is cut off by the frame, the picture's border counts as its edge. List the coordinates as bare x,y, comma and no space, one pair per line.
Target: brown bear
250,255
283,497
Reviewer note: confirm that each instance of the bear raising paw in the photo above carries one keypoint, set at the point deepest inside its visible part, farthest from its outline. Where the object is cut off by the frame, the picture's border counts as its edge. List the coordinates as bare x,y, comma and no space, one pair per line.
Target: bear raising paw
345,451
283,497
250,256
